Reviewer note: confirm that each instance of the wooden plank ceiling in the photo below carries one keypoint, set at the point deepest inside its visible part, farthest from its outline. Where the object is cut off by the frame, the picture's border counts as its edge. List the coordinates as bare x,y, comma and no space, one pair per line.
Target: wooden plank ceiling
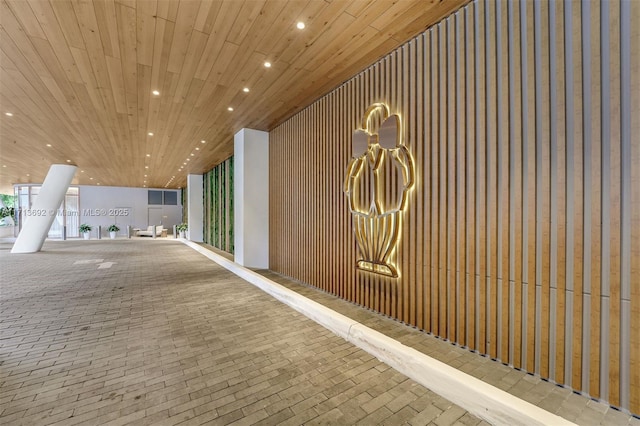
78,76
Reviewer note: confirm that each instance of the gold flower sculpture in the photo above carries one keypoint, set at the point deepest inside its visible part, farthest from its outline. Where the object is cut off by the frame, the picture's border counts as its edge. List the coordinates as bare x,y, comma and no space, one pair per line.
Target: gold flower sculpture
379,177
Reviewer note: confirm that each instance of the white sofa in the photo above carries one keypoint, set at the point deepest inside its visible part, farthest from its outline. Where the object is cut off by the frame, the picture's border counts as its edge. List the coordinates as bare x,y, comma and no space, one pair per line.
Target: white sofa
149,231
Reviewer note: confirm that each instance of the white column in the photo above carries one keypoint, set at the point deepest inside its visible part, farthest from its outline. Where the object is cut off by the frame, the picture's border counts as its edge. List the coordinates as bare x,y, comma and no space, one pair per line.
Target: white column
44,209
251,198
195,208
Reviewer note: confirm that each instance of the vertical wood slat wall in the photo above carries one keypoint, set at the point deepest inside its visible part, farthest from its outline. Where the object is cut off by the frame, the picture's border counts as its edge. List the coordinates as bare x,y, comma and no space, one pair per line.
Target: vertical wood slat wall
522,236
218,201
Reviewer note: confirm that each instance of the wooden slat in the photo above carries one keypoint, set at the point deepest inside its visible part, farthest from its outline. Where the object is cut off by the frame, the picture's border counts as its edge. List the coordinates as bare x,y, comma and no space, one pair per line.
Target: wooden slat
470,238
635,214
573,358
450,179
615,210
531,191
502,243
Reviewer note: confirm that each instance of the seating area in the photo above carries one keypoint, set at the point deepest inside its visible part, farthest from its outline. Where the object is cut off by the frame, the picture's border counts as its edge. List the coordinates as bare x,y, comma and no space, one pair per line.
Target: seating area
149,232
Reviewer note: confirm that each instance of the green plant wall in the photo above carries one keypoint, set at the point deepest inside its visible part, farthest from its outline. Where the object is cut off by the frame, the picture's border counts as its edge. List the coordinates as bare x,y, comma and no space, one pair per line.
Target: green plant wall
185,209
218,206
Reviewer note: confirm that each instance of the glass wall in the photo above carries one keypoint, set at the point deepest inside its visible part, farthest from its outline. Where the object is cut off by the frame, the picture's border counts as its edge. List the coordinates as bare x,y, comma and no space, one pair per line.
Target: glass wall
67,215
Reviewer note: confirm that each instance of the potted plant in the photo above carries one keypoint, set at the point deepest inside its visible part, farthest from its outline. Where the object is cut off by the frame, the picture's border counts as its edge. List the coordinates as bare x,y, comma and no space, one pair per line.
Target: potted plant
182,229
85,230
112,231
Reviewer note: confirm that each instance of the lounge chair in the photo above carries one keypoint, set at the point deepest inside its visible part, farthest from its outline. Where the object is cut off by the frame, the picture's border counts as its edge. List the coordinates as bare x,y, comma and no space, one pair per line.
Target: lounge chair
149,231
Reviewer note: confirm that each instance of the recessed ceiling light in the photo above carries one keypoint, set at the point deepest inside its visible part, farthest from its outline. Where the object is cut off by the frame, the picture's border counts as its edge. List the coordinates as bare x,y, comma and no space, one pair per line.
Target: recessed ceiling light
8,114
267,64
144,186
150,133
197,149
230,109
192,155
184,164
245,90
68,161
4,165
156,93
90,178
48,145
81,171
98,183
203,141
188,159
148,155
28,175
300,25
146,167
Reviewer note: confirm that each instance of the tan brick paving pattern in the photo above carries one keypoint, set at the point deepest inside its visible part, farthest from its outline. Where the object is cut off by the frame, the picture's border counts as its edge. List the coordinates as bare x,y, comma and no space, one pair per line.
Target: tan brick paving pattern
165,337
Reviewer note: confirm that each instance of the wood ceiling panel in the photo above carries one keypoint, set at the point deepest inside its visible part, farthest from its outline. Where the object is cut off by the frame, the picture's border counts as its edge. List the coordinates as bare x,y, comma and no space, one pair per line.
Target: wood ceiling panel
25,15
68,24
207,16
145,32
243,21
104,18
168,9
79,75
182,36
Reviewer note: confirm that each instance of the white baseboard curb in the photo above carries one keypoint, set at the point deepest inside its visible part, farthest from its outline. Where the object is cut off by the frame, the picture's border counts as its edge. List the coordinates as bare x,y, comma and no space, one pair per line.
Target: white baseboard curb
479,398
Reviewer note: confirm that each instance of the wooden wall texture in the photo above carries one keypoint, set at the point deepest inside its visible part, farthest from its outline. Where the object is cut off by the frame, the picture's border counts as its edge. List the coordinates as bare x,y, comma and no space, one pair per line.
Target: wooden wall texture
521,238
218,206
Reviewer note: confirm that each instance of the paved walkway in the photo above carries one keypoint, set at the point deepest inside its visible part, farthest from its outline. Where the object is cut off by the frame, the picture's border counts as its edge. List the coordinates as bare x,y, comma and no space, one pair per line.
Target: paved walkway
553,398
151,332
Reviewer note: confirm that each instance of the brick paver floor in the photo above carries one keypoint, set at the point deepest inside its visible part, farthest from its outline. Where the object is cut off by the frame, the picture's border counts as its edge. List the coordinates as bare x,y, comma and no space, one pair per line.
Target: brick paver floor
556,399
150,332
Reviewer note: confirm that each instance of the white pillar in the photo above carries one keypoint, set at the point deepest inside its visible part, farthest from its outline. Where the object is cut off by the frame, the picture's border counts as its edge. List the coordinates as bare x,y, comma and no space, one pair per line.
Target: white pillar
195,208
251,198
44,209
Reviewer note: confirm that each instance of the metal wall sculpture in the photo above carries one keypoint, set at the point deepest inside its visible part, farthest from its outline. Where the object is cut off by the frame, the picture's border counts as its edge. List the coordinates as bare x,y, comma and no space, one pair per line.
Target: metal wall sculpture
379,177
